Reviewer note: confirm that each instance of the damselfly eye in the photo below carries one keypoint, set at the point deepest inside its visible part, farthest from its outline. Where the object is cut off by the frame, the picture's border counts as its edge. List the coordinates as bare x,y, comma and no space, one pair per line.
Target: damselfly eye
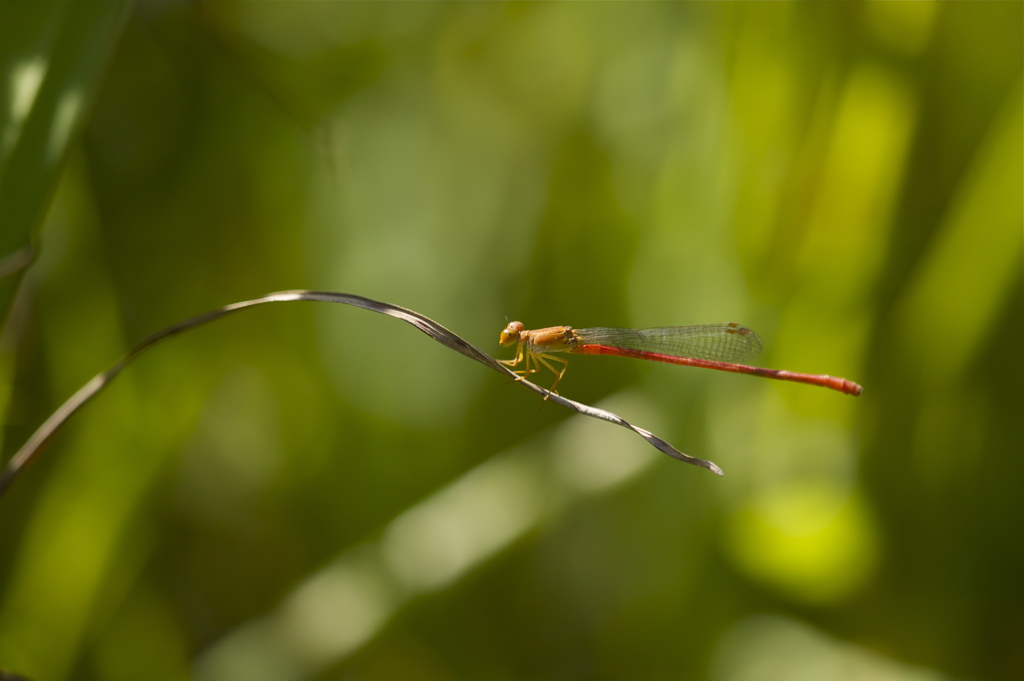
510,334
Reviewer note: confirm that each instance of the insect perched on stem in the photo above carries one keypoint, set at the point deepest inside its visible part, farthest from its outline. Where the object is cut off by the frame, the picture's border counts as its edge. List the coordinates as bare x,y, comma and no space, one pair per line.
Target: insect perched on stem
712,346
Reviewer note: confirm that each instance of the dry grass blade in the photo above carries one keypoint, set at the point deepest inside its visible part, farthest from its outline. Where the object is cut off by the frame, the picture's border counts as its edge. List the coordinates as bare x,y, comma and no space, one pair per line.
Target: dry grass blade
35,444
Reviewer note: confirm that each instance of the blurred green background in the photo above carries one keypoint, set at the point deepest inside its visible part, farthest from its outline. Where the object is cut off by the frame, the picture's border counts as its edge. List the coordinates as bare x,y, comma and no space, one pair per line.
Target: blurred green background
311,491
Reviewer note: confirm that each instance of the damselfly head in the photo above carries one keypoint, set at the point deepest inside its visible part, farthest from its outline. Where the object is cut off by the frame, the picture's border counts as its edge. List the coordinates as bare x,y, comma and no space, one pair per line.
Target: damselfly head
510,334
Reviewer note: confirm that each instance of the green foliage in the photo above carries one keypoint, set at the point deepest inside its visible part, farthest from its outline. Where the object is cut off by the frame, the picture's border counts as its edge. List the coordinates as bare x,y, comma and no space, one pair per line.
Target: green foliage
52,55
315,492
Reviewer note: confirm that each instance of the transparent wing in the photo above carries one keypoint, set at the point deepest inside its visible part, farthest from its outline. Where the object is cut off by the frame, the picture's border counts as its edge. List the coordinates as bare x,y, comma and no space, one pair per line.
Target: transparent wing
716,342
